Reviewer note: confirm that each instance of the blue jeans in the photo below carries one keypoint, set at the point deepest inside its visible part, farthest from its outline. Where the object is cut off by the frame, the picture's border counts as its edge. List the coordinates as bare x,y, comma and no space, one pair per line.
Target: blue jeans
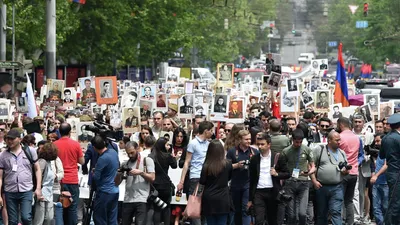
329,199
58,214
71,213
217,219
240,199
380,194
299,191
19,202
105,209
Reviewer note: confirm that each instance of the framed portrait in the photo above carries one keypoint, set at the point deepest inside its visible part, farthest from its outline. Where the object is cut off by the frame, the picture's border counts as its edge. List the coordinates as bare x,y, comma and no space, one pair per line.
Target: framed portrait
366,113
201,109
322,101
162,102
148,92
396,106
292,87
335,111
131,119
189,87
264,85
168,135
54,90
129,99
288,104
225,74
236,110
219,90
116,119
314,85
4,108
274,81
146,108
21,104
219,107
173,74
253,99
84,136
373,101
88,91
69,97
107,90
74,127
307,97
386,109
185,104
318,65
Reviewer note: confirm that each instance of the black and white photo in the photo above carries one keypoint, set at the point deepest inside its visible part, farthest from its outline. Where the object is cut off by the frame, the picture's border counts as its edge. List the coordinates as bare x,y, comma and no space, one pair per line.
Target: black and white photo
106,89
274,81
173,74
186,104
288,104
366,113
220,104
372,100
314,85
306,98
225,72
336,111
322,100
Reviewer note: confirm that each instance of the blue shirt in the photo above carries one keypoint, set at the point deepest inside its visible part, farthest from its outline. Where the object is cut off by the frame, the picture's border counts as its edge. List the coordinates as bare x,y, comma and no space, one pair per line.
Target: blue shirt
92,156
198,148
241,176
105,172
379,164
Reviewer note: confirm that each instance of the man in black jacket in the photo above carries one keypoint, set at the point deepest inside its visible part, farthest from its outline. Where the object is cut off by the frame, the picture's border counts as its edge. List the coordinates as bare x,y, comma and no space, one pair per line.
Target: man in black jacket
267,169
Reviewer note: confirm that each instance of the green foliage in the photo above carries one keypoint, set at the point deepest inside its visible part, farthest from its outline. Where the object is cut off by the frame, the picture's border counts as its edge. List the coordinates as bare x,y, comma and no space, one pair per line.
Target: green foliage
383,27
102,31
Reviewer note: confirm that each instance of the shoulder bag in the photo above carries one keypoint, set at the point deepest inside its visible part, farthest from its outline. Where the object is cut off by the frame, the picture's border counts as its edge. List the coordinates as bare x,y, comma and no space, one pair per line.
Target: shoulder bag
193,207
170,182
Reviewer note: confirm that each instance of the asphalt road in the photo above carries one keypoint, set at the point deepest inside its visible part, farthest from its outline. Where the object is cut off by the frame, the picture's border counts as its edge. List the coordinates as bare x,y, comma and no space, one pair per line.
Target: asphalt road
289,53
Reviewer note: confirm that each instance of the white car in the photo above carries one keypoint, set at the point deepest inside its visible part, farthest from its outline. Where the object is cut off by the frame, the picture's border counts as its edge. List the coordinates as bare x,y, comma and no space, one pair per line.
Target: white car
306,58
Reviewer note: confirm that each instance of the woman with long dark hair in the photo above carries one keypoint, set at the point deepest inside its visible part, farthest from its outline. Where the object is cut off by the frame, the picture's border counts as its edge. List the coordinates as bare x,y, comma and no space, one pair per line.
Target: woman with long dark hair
215,175
145,131
162,161
180,141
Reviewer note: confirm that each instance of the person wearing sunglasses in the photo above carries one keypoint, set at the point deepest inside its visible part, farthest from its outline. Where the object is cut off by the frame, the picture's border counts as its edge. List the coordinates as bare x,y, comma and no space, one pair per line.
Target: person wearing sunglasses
324,125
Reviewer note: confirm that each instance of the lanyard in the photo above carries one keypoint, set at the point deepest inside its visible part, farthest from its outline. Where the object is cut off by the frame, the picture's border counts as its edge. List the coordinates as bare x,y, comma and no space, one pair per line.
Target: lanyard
335,155
298,158
138,161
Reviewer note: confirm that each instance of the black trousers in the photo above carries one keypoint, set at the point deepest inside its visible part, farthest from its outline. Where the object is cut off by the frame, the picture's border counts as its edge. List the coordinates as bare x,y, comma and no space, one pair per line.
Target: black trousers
265,206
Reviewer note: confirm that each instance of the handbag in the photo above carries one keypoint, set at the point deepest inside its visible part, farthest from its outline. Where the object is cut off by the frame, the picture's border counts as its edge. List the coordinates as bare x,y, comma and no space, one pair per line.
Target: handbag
193,207
65,198
172,186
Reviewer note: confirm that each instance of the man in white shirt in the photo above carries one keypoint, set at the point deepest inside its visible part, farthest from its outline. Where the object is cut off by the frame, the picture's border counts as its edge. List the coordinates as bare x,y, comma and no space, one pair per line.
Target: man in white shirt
267,169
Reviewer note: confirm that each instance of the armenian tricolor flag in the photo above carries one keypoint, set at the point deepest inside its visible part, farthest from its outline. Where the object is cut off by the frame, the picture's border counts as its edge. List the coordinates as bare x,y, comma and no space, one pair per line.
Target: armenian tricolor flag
79,1
341,91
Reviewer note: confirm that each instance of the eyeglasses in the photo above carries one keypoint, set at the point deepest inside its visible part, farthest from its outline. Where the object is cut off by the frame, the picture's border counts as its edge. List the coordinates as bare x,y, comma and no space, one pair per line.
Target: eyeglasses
2,129
324,126
227,130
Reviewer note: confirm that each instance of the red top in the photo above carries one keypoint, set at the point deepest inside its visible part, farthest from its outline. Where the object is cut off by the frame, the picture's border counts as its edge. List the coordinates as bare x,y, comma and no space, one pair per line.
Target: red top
69,151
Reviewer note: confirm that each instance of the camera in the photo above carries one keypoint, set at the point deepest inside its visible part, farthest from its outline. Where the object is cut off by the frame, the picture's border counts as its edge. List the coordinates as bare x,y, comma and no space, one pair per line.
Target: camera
246,164
283,197
371,151
344,165
125,169
153,197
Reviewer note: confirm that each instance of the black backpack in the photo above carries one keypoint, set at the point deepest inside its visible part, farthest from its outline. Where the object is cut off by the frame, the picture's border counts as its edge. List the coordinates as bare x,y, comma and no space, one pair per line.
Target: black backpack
28,154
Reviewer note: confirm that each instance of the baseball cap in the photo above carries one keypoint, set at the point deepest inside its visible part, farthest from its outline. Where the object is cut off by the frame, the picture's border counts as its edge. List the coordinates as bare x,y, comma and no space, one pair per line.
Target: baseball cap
14,133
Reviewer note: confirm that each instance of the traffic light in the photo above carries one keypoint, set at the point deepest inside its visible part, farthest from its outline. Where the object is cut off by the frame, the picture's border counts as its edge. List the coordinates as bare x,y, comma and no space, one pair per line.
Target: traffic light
365,9
271,30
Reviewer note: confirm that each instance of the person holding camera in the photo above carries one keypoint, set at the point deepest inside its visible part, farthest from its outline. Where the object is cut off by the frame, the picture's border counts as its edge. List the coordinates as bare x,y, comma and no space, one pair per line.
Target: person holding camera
240,156
139,174
105,205
267,169
162,183
331,164
300,161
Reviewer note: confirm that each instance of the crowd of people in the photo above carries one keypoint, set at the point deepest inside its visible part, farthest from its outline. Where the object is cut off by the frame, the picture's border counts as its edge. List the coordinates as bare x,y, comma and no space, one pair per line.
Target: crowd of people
313,168
279,171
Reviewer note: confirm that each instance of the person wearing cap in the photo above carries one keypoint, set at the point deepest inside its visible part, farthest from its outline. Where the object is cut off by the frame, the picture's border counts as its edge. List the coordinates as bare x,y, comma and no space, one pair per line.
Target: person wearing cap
16,173
172,113
390,151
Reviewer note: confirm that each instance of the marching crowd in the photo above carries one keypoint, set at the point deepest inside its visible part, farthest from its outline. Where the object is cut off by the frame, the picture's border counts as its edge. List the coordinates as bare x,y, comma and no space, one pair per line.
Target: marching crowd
266,171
